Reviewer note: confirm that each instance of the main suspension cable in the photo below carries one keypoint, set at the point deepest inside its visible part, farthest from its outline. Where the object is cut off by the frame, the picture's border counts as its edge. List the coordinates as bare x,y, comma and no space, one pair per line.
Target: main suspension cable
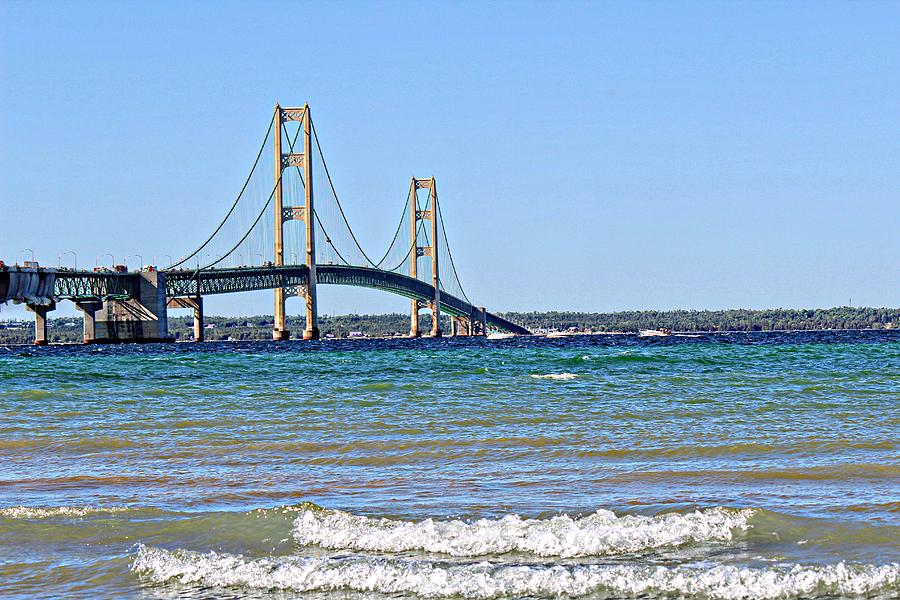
402,260
396,233
336,199
328,239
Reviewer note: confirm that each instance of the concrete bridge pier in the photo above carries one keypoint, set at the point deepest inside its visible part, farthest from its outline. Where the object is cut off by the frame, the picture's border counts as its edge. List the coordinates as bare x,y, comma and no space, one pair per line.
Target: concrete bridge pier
474,324
478,321
140,318
460,327
198,319
40,321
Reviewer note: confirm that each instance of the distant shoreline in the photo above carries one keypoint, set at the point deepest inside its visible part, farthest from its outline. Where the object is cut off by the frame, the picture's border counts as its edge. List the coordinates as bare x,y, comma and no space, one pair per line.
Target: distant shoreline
675,334
69,329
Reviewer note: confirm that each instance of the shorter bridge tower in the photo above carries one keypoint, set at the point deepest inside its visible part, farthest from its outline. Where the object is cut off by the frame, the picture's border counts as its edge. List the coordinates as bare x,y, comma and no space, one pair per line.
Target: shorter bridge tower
428,213
305,213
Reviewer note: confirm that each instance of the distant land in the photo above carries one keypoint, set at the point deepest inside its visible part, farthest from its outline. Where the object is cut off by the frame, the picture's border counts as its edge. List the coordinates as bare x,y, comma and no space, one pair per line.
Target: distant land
62,330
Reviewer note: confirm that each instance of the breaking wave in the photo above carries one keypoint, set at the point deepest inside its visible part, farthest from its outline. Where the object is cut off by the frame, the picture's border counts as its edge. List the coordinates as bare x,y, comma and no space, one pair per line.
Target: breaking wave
598,534
485,580
50,512
555,376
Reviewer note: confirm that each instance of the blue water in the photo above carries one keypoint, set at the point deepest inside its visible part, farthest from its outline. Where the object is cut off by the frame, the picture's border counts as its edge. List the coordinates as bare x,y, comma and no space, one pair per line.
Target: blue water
719,466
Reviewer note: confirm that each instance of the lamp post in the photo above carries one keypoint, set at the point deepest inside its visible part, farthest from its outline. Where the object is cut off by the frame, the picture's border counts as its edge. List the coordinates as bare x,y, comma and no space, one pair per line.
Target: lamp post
156,264
111,258
74,258
203,259
140,260
28,250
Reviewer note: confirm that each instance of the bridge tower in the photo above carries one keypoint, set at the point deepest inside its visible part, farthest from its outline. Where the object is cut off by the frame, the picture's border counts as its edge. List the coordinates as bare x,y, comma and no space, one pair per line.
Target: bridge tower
305,213
429,213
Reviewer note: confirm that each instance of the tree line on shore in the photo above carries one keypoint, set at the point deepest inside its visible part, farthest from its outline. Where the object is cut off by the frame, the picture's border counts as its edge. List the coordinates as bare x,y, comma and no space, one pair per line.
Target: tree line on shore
777,319
69,329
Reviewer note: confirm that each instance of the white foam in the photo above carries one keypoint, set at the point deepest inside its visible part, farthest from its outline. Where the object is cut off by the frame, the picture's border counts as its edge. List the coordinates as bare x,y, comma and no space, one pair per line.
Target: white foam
50,512
485,580
555,376
601,533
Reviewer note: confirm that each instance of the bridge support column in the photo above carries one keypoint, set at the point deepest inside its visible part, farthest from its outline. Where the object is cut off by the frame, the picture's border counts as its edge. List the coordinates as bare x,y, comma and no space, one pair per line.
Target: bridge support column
198,319
196,304
40,322
414,256
280,332
89,311
414,320
312,310
435,277
436,315
279,328
436,318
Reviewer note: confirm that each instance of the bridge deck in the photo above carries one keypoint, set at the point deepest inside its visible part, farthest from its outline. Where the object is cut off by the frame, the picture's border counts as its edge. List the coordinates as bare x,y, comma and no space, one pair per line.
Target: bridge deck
224,281
89,285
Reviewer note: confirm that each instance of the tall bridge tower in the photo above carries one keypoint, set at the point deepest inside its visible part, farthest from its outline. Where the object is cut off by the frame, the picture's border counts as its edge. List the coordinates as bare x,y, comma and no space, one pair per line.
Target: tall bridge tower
293,211
428,213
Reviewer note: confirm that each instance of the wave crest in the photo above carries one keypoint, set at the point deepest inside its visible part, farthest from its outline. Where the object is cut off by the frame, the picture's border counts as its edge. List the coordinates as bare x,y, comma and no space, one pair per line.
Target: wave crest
487,581
50,512
598,534
562,376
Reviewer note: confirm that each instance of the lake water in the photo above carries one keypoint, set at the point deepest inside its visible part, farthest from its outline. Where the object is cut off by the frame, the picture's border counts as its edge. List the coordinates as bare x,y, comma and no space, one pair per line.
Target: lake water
719,466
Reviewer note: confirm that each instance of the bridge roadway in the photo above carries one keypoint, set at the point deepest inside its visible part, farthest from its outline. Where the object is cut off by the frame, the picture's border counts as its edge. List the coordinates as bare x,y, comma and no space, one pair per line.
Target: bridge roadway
87,285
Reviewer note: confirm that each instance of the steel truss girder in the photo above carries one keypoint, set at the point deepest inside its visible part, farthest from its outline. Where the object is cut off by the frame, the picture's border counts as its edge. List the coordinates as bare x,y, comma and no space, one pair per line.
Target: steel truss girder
83,285
229,281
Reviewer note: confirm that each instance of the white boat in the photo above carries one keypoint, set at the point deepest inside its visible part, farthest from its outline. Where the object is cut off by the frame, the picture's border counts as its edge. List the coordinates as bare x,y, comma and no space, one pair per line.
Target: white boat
500,336
558,334
661,332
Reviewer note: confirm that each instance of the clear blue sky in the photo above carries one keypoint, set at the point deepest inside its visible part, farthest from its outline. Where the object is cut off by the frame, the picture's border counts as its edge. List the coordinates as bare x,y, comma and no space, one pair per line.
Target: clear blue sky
590,156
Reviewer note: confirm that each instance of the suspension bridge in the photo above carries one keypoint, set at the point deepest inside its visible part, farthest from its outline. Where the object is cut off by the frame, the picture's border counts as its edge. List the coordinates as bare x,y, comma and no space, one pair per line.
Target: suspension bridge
286,231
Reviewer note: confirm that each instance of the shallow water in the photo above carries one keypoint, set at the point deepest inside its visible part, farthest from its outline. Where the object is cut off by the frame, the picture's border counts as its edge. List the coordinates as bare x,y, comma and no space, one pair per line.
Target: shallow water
724,466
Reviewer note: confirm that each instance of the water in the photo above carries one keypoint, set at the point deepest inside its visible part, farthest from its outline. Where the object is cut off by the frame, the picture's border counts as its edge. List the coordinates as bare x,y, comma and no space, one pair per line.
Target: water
721,466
